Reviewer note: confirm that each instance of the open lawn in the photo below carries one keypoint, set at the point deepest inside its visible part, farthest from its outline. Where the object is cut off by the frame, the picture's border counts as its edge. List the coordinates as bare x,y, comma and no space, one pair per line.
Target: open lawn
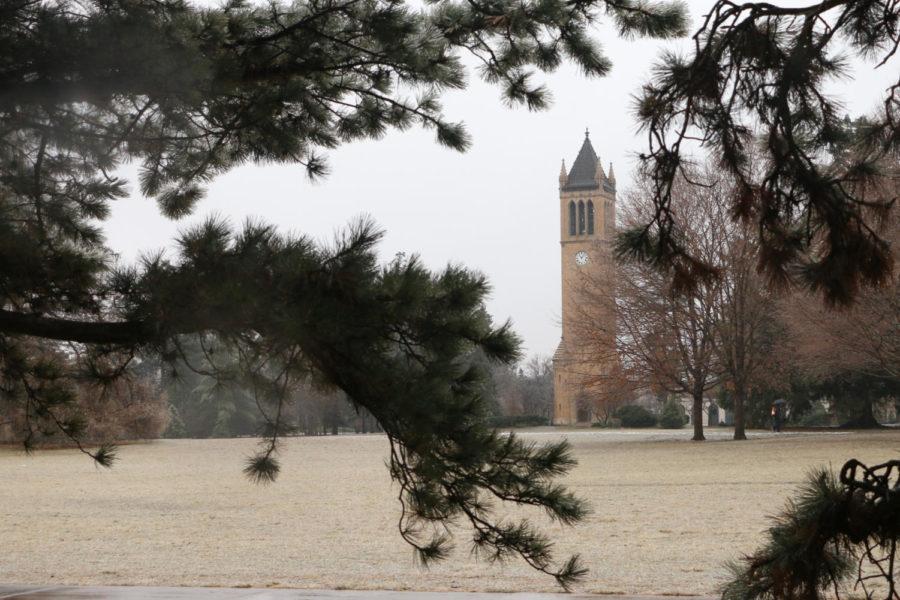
667,513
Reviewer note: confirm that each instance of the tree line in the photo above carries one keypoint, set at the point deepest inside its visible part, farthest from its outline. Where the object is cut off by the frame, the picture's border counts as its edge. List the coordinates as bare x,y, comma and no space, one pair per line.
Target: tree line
162,402
184,400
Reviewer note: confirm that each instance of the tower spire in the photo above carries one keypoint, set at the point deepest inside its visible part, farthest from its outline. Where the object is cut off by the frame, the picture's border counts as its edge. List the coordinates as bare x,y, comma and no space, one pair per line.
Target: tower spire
583,174
612,176
563,176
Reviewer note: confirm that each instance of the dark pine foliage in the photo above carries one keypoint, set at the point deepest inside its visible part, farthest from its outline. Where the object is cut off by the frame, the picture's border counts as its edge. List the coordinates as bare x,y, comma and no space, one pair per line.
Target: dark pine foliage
632,415
188,93
836,528
758,71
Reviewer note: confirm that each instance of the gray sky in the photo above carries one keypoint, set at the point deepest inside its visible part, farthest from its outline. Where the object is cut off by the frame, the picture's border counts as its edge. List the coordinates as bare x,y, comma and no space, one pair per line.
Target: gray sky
494,208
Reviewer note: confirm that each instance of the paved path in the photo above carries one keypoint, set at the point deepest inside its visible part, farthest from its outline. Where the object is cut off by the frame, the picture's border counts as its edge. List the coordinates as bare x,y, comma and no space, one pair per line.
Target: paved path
185,593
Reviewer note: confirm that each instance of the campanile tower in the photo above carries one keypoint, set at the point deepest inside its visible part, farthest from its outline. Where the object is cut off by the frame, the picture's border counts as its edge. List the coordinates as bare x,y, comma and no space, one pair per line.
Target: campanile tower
587,216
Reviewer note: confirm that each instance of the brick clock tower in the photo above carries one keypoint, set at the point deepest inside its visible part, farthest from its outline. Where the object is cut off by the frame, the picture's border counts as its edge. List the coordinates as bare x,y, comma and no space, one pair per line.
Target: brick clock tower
587,216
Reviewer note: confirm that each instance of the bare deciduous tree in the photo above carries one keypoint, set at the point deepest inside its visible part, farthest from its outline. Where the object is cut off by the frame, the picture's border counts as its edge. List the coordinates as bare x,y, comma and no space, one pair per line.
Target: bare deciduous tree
864,338
616,389
526,390
746,326
664,340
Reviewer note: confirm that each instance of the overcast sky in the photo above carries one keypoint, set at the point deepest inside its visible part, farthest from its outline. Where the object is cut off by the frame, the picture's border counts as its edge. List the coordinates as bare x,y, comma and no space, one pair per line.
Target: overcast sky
494,208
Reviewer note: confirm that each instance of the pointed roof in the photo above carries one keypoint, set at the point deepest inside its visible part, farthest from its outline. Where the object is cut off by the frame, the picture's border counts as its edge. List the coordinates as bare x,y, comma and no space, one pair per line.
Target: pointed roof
584,169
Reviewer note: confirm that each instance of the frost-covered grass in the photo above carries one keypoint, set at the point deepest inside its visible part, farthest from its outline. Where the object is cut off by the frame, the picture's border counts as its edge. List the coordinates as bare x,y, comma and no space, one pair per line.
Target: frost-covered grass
667,513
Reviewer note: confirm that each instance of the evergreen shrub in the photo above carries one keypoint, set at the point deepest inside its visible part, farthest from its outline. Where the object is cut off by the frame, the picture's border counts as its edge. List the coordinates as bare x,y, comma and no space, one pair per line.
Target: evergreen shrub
632,415
817,416
671,416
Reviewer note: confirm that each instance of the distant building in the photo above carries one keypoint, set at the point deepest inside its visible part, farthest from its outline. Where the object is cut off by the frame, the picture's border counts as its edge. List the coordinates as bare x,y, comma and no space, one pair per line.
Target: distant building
587,217
713,414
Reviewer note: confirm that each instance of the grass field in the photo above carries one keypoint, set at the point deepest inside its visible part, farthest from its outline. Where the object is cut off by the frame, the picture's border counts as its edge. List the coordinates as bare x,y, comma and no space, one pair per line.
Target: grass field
667,513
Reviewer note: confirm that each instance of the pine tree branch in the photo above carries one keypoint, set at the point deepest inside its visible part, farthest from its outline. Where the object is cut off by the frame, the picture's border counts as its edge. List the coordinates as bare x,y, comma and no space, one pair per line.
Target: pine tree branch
126,333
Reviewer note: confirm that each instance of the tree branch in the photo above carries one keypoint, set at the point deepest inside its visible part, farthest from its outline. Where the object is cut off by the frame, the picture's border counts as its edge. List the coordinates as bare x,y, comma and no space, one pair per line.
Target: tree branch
85,332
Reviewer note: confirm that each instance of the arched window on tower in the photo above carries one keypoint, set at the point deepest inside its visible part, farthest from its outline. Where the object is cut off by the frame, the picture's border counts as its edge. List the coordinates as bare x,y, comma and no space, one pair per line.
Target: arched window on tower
580,217
571,218
590,224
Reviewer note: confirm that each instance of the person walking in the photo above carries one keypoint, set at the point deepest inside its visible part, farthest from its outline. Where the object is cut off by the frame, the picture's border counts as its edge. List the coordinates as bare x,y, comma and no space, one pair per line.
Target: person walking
777,417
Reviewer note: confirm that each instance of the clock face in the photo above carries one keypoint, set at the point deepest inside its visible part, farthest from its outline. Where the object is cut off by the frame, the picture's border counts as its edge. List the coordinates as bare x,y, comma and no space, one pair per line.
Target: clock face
581,258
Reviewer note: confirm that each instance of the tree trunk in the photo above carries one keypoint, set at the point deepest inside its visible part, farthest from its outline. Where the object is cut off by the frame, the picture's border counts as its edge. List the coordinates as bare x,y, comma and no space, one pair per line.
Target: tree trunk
739,432
863,417
697,417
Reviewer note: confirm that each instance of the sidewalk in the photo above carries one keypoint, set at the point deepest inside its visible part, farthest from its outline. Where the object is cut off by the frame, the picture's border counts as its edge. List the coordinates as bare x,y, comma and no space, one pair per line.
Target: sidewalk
186,593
